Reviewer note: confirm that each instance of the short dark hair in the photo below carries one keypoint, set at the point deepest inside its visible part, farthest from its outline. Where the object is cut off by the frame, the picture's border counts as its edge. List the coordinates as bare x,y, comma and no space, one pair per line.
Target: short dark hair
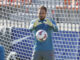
43,7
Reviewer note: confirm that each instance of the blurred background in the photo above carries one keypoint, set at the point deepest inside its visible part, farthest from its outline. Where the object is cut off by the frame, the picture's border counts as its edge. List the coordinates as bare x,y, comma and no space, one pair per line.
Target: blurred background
15,17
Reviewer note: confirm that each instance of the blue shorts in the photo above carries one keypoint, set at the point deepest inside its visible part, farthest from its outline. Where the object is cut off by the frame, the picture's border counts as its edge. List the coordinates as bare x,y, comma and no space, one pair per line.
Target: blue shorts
2,53
43,55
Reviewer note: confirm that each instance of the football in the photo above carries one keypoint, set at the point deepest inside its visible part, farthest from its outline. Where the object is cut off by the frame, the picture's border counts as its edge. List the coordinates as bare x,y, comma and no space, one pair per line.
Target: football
41,35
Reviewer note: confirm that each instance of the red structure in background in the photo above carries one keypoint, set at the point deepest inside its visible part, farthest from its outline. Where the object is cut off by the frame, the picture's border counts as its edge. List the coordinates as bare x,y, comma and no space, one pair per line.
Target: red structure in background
14,3
70,4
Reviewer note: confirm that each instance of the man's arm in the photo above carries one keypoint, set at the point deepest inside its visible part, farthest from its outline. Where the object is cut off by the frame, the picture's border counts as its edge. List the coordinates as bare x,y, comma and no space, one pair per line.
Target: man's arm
31,27
54,26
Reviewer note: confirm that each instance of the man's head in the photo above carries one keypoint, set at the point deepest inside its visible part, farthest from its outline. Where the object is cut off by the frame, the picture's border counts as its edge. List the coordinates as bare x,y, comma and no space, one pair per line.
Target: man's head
42,12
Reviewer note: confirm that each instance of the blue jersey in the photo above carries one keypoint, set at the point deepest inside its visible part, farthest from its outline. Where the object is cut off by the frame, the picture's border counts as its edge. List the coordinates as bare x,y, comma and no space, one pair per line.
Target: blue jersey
2,53
49,26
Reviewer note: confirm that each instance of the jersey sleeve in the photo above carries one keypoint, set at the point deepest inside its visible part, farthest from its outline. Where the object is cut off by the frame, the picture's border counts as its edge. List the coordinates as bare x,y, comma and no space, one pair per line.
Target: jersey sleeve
54,26
1,52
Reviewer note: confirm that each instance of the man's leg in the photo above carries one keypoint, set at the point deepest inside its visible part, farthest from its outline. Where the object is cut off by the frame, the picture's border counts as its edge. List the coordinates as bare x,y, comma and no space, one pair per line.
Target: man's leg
48,55
2,53
37,56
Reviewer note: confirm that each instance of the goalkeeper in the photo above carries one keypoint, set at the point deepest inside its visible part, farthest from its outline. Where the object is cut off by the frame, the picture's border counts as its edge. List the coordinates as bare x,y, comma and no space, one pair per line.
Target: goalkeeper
2,53
43,50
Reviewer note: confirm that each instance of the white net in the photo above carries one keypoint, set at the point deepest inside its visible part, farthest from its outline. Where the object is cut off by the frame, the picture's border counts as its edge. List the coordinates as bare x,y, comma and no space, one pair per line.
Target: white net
15,16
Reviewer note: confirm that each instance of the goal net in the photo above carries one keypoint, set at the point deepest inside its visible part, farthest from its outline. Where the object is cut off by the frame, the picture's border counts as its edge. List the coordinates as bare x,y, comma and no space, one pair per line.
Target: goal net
15,17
